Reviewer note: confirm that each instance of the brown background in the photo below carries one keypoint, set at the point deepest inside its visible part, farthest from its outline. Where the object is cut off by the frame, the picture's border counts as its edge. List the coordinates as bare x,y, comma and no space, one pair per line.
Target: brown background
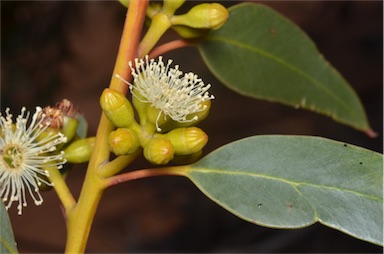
55,50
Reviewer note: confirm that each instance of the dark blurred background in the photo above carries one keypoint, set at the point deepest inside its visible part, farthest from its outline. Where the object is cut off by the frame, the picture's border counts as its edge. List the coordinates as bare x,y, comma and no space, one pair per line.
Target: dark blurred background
53,50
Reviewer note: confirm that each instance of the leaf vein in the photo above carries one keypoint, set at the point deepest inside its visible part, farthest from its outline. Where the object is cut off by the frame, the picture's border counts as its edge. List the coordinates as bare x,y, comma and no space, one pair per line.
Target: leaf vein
292,183
286,64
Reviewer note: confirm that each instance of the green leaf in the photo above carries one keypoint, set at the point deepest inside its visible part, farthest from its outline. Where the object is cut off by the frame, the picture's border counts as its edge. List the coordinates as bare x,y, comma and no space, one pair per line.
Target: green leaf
7,240
295,181
259,53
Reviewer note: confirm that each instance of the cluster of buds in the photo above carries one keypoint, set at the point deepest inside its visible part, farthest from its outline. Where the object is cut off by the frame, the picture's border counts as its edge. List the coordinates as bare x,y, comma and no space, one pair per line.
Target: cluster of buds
60,118
64,118
193,24
168,105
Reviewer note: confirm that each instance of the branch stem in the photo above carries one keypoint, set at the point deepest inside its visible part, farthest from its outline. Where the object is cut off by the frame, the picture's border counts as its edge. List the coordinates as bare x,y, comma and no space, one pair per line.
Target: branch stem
160,24
144,173
81,216
113,167
61,189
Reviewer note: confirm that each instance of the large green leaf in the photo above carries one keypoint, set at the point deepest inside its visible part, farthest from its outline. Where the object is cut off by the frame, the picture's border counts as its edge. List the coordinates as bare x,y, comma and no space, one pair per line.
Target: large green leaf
259,53
295,181
7,240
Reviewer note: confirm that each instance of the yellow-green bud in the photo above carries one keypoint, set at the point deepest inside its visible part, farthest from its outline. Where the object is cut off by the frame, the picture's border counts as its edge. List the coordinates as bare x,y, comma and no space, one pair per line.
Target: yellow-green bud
47,133
159,151
187,140
69,128
203,16
140,106
154,116
201,115
80,150
170,6
123,141
117,108
171,124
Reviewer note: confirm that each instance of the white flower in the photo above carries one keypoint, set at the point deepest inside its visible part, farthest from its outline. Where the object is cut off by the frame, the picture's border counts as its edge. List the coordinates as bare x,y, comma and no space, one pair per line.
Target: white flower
23,157
167,90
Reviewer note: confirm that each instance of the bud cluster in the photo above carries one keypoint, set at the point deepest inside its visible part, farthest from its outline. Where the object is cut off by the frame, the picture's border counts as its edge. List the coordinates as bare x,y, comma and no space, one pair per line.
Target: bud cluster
64,118
193,24
168,106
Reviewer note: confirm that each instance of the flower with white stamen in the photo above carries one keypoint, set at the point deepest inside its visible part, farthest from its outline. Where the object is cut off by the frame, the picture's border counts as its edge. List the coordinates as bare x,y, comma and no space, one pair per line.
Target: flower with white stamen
24,157
168,90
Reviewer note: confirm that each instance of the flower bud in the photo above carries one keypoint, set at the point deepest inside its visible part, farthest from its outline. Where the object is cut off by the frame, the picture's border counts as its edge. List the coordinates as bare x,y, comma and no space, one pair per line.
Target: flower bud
187,140
117,108
170,6
199,116
159,151
49,132
140,106
156,118
203,16
80,150
69,128
123,141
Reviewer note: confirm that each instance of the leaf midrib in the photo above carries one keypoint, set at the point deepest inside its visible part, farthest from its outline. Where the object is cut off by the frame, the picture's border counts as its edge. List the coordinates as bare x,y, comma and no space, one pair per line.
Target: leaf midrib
292,183
287,65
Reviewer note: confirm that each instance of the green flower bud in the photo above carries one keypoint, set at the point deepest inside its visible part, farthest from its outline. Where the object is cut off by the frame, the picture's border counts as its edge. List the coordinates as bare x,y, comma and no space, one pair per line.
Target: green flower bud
187,140
154,117
80,150
170,6
140,106
123,141
199,116
203,16
159,151
49,132
117,108
69,128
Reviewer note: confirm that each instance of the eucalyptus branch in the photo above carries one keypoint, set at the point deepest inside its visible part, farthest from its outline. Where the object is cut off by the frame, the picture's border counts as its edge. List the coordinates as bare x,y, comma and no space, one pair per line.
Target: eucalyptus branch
61,189
144,173
160,24
117,164
81,217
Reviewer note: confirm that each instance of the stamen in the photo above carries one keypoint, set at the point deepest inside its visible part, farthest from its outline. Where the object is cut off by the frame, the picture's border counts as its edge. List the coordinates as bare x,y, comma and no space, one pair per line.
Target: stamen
167,90
23,159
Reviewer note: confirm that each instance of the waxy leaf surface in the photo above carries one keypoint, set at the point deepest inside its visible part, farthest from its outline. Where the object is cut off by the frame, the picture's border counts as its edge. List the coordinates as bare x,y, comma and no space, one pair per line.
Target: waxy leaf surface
295,181
259,53
7,240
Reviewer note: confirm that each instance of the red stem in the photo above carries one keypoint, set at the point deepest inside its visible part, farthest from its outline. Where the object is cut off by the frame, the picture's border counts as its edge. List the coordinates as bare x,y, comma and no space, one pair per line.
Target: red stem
143,173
